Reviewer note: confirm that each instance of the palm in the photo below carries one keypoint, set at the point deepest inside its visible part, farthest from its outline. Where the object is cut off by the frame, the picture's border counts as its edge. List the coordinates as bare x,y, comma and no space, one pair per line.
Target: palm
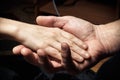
82,29
87,33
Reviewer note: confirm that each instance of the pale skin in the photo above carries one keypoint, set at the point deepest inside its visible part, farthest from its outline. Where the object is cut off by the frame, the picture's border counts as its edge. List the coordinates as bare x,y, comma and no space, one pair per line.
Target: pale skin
39,38
102,40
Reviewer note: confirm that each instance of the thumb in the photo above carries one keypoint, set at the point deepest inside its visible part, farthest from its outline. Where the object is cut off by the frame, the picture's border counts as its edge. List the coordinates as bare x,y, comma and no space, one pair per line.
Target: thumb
49,21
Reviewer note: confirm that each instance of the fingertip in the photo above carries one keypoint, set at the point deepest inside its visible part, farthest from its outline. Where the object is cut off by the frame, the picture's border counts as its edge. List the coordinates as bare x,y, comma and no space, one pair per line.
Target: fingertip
17,49
81,59
40,19
41,52
87,56
37,19
85,47
64,46
26,51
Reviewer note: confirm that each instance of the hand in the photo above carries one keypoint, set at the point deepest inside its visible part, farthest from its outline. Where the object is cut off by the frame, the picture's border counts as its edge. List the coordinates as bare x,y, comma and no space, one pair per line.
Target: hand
41,42
49,40
38,58
85,31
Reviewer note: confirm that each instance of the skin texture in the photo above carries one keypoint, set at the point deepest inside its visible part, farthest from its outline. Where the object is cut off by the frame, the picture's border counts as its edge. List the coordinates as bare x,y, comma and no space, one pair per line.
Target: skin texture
37,38
97,37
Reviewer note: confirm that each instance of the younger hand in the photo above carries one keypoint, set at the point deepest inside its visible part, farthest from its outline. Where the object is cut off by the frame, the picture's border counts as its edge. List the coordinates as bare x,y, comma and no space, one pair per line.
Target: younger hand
49,39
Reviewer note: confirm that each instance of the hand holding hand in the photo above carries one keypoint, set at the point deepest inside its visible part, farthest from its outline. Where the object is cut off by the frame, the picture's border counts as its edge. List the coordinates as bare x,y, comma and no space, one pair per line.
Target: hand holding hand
87,32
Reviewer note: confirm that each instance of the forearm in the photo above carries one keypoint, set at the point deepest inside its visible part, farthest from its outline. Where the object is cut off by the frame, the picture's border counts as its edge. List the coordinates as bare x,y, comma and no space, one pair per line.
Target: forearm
9,28
110,36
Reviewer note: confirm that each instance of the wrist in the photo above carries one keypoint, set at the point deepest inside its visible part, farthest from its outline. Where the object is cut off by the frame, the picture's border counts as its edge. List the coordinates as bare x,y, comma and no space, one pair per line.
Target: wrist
9,29
109,36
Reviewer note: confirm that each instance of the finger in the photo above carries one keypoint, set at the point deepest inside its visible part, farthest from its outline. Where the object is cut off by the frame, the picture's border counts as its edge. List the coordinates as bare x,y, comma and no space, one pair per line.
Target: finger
66,53
76,57
53,53
80,52
75,47
80,43
50,21
30,56
26,51
56,49
67,60
45,63
72,38
48,64
17,49
56,45
81,48
46,20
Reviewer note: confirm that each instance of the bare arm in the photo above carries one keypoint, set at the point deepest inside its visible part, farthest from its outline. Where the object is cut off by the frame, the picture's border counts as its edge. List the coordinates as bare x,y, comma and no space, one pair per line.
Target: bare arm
38,37
8,28
109,35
